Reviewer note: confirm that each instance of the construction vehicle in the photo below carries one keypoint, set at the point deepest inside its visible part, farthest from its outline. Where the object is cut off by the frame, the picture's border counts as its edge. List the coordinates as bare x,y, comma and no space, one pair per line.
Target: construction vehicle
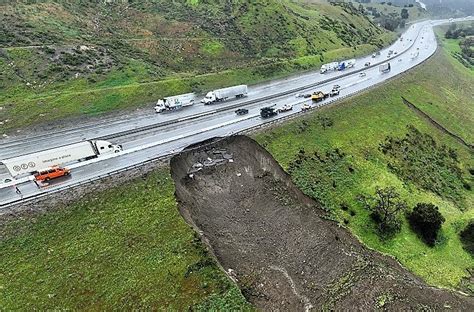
175,102
269,111
318,96
225,93
385,67
285,108
43,160
328,67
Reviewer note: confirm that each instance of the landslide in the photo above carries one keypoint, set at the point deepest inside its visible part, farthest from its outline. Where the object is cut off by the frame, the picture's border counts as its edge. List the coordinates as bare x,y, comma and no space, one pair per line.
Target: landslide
279,245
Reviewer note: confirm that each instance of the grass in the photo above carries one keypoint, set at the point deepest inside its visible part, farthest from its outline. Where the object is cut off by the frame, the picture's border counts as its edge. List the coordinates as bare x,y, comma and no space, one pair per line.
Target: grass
357,127
124,248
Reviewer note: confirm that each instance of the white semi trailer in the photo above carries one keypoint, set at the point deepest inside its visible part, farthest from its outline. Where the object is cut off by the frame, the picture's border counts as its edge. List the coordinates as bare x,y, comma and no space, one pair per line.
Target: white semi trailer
175,102
27,164
225,93
329,67
385,68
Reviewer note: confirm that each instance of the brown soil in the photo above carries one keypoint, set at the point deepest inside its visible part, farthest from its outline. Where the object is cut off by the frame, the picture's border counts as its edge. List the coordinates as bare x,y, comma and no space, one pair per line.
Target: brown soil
278,244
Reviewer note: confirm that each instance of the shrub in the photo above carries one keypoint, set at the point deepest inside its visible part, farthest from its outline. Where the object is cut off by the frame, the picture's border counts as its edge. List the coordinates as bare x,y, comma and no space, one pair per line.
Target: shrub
426,221
467,237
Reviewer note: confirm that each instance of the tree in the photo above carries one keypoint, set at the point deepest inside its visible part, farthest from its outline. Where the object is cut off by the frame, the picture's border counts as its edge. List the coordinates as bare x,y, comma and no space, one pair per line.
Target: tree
386,207
404,14
426,220
467,237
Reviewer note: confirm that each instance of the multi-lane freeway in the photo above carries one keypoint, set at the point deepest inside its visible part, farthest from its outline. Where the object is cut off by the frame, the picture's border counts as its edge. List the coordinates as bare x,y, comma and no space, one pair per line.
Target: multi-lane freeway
155,135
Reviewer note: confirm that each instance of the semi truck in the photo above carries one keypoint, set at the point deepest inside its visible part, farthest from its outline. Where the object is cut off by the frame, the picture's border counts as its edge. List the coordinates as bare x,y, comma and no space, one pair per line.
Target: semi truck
85,150
346,64
225,93
385,68
329,67
175,102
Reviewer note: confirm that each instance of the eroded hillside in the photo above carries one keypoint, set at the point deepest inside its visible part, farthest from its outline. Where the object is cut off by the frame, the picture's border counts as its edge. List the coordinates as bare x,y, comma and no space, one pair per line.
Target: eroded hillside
279,245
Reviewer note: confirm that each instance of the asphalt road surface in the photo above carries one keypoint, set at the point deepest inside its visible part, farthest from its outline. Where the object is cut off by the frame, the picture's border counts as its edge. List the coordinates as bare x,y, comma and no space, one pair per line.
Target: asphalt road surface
200,122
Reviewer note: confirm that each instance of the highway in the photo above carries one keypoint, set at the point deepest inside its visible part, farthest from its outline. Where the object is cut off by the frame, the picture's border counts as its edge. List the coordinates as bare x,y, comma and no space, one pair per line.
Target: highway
153,135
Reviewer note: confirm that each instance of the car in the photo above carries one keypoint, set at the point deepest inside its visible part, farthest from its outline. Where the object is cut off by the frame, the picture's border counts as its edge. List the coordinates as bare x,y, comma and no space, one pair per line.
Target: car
242,111
367,64
336,87
285,108
362,74
374,55
395,52
305,107
399,60
51,173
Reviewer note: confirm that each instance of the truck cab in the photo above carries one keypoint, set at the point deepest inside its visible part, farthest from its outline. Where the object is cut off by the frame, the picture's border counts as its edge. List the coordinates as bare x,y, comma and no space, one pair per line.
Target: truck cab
104,147
209,98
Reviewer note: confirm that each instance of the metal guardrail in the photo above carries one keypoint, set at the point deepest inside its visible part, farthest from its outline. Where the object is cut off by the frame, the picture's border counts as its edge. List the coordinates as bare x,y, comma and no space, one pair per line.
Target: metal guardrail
250,129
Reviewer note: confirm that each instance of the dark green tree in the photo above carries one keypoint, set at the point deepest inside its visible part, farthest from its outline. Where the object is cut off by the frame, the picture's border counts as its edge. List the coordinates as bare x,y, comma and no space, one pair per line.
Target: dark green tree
404,14
426,221
467,237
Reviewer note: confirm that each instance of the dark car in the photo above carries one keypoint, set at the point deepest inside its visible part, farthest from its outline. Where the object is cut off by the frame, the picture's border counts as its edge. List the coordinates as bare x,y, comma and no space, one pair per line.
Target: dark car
242,111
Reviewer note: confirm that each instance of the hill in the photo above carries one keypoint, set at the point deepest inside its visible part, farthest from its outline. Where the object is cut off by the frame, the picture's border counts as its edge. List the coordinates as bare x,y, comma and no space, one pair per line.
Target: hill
338,156
74,58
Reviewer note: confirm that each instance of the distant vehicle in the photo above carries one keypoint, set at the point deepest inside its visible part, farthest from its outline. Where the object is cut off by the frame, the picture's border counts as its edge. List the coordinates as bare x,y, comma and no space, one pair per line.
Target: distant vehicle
395,52
285,108
400,60
303,95
267,112
328,67
51,173
225,93
346,64
175,102
367,64
336,86
305,107
385,67
374,55
415,55
242,111
318,96
58,156
362,74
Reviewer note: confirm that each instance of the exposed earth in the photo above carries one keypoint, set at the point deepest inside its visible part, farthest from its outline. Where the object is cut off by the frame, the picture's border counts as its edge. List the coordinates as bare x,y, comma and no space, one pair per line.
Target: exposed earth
279,245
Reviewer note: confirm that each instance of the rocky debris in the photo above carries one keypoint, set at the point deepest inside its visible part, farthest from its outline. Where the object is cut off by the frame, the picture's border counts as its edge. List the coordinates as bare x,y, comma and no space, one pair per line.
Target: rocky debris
210,158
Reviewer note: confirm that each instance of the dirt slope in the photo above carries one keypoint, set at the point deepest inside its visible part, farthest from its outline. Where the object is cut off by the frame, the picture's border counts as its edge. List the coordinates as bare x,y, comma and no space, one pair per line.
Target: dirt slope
276,242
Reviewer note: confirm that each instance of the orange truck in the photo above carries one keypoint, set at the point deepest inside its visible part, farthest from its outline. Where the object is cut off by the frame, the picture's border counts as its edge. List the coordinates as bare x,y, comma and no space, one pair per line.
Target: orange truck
51,173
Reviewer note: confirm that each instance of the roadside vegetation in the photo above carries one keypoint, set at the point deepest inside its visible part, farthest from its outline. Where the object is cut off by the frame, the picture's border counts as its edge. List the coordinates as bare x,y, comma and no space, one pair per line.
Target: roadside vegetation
371,160
125,248
72,59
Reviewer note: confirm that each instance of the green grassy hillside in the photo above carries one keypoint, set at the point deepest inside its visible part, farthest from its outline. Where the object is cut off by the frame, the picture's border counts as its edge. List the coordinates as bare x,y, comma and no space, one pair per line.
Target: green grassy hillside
126,249
63,59
346,160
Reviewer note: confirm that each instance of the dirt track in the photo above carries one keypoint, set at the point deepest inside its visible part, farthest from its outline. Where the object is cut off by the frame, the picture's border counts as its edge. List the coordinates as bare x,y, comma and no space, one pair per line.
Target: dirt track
277,244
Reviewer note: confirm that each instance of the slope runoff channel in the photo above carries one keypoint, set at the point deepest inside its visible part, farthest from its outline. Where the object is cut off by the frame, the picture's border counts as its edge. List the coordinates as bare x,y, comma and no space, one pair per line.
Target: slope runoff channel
135,128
